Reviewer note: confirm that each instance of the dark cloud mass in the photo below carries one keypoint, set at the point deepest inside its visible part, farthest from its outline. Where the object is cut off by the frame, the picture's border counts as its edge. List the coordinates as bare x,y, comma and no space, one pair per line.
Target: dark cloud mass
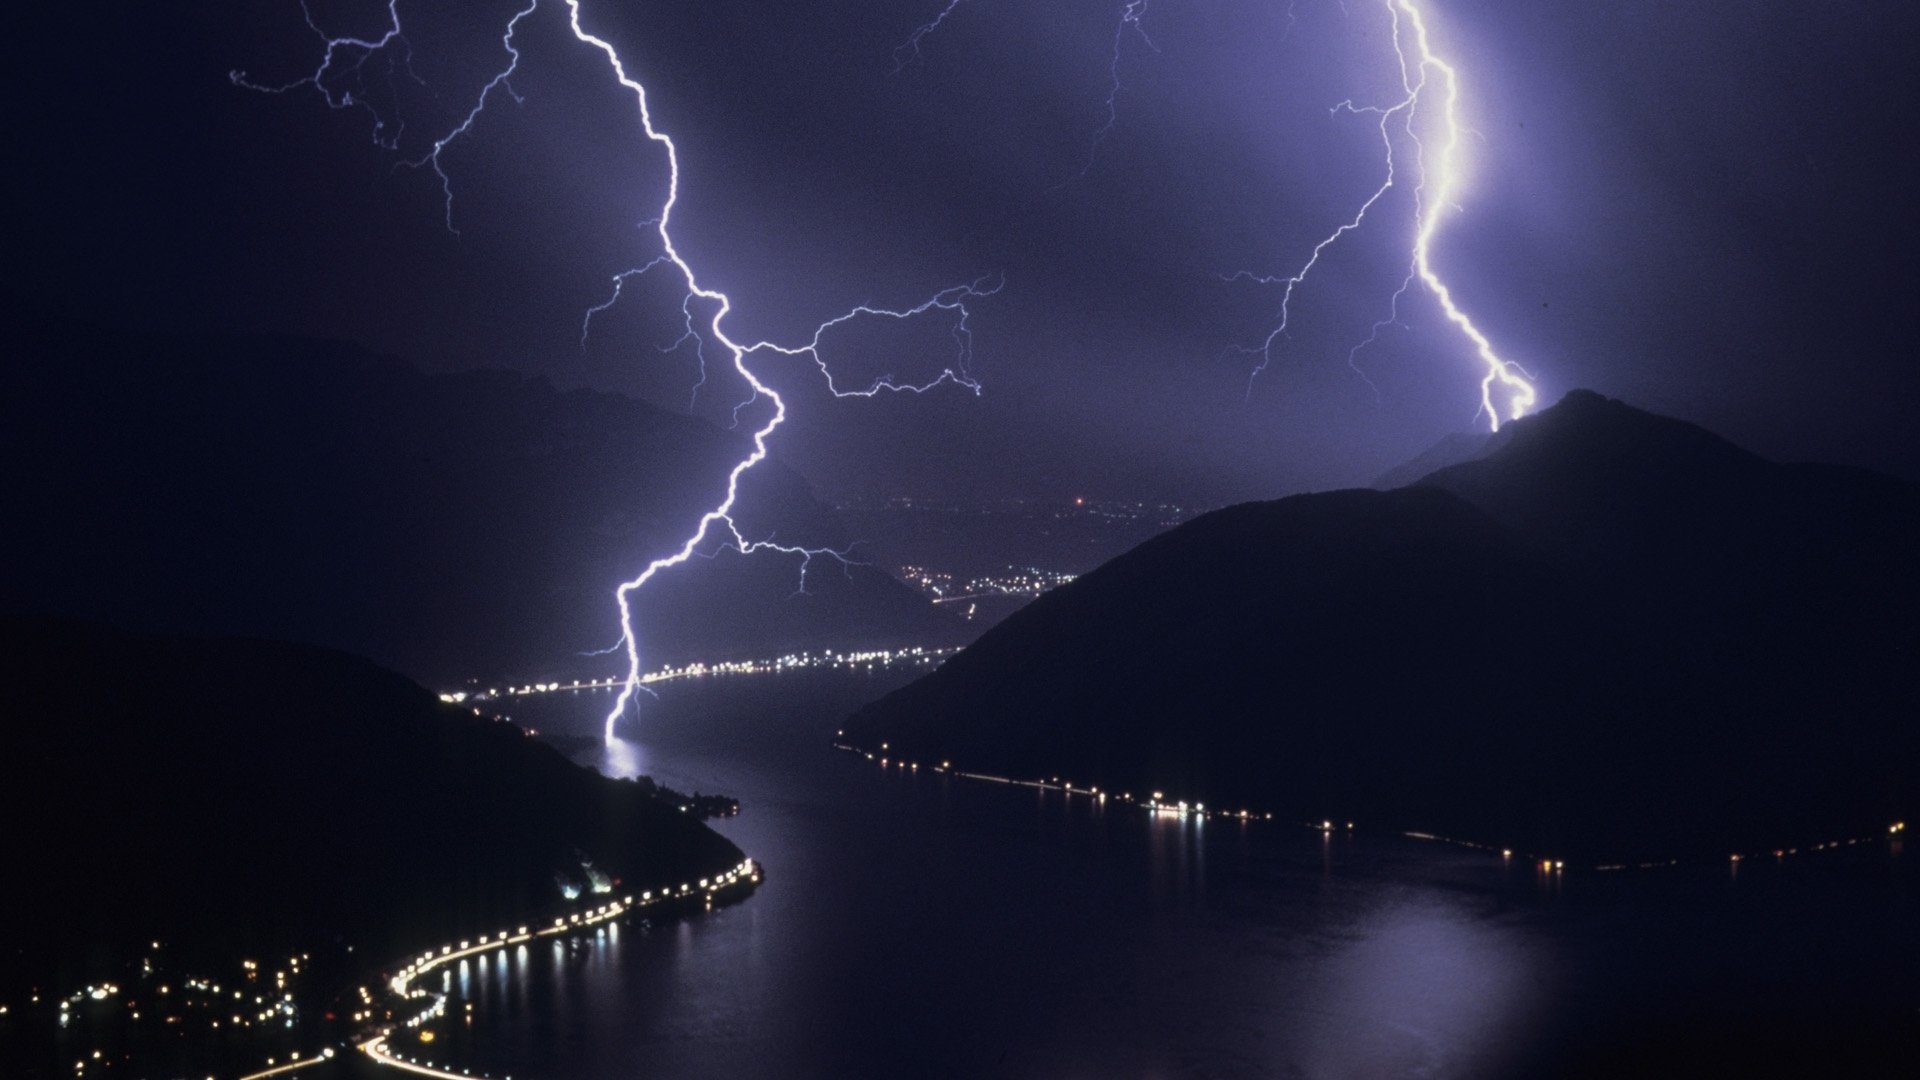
1700,208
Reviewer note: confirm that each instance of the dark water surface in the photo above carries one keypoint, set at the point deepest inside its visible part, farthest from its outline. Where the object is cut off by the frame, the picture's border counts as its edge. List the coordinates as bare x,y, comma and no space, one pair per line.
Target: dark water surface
920,925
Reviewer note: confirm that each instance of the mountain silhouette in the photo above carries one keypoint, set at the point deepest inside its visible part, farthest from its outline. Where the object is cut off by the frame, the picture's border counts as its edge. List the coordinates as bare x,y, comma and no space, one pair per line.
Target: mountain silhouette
1452,449
227,795
448,526
1606,636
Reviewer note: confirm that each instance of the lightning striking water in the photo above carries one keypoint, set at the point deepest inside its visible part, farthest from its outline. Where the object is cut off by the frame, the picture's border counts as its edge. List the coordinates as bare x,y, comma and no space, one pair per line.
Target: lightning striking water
721,515
347,57
1438,180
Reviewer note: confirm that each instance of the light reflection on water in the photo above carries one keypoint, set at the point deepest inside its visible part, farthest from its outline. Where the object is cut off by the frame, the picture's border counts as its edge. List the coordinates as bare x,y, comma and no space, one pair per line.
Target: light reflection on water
1421,988
927,926
622,758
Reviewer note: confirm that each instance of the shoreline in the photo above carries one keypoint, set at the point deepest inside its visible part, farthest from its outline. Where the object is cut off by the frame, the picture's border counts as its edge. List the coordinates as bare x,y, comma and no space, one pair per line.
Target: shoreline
373,1038
741,878
1161,805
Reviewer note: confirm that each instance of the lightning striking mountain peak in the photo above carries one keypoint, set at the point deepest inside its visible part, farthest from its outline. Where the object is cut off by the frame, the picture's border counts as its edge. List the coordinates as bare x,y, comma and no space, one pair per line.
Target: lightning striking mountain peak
1428,96
1500,373
1422,72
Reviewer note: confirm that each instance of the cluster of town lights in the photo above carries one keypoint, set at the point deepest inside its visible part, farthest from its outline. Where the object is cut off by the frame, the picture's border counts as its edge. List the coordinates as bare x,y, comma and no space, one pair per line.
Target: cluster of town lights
237,1008
1016,581
174,1002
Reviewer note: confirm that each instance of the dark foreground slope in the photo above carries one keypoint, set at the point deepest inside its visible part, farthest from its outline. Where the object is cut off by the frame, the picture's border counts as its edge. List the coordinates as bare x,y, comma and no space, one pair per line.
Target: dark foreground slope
234,797
447,526
1615,636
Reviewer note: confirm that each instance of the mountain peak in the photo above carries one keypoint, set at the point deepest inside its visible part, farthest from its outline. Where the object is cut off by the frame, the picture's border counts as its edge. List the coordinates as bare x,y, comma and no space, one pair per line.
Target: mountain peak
1587,428
1610,633
1584,429
1582,398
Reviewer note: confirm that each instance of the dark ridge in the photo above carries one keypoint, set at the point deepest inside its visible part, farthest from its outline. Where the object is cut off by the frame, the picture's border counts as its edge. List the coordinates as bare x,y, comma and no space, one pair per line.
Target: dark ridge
1450,450
234,797
448,526
1613,637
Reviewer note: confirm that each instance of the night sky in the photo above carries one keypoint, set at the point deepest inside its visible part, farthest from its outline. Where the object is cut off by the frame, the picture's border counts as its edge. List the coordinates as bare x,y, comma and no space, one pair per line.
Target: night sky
1702,208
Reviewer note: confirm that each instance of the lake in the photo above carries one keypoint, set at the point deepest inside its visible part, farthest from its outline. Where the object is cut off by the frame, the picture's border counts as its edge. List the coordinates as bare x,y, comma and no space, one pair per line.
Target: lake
920,925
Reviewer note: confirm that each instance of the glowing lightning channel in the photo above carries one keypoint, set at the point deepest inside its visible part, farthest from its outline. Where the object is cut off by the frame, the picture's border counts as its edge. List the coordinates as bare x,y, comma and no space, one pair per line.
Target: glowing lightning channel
1132,12
433,156
1292,281
1130,15
1521,394
1443,178
909,50
349,56
950,300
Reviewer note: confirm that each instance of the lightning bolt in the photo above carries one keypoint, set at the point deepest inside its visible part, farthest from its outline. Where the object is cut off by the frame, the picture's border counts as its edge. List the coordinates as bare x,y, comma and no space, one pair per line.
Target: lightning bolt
1292,281
433,156
1438,181
1521,395
953,300
349,55
1129,21
909,50
1293,17
1130,15
343,69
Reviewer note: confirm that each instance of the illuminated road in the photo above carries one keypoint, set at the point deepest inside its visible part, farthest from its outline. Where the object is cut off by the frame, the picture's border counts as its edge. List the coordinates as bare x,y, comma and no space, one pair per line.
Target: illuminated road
292,1066
866,660
402,984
